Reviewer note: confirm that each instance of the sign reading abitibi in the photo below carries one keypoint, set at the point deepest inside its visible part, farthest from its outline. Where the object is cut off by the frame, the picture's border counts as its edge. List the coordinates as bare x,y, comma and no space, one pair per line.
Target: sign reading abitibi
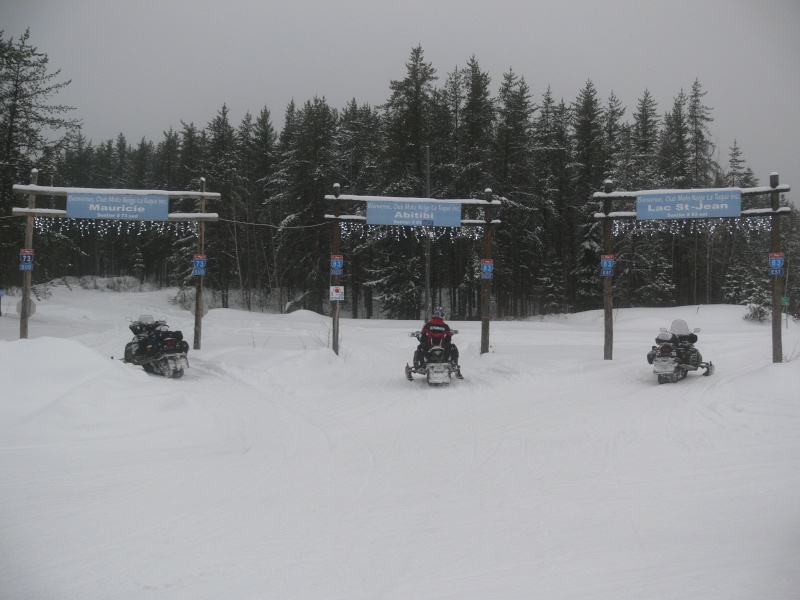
414,214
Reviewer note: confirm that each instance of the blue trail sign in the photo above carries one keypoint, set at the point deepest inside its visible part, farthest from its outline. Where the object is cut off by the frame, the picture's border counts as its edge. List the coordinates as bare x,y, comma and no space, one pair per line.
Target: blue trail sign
129,207
689,204
414,214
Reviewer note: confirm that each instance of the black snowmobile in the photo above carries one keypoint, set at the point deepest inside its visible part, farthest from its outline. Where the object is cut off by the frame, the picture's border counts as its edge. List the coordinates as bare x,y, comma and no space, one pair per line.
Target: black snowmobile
157,349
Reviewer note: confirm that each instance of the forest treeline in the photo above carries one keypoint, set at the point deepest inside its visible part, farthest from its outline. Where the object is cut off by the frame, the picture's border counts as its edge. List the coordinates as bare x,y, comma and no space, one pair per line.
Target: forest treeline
543,156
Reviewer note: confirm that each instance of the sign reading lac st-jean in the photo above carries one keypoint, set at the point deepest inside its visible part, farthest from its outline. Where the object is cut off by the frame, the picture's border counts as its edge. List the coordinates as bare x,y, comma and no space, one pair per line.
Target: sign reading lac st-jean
689,204
129,207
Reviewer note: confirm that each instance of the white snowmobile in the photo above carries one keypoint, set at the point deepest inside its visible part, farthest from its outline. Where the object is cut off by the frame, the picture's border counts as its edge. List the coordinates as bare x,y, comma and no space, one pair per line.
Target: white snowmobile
675,355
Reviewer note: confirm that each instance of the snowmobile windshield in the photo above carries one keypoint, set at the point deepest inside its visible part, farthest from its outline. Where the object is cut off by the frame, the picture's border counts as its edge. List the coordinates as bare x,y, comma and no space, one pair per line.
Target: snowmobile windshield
147,319
679,327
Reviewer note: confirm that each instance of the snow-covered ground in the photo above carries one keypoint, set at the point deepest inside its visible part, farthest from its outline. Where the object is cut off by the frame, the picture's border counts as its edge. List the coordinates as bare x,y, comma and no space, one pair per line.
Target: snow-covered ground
277,470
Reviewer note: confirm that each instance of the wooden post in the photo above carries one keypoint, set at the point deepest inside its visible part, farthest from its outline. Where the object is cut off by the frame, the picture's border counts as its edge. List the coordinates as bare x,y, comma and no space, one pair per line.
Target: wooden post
608,297
775,246
336,242
485,283
24,313
198,296
428,304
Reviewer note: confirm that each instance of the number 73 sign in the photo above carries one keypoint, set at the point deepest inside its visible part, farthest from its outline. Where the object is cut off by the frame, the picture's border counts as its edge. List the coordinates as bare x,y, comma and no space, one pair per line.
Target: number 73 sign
26,259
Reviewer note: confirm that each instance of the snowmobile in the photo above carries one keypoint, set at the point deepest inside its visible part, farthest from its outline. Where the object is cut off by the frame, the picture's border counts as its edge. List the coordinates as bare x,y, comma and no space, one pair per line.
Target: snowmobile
156,349
436,366
675,355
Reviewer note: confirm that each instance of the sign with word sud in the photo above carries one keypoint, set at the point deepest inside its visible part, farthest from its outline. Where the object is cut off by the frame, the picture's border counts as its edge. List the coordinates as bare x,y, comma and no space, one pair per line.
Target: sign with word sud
414,214
129,207
689,204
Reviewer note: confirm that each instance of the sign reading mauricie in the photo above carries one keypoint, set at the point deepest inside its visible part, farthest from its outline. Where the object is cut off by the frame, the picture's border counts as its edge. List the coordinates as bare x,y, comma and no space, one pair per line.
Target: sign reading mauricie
130,207
415,214
689,204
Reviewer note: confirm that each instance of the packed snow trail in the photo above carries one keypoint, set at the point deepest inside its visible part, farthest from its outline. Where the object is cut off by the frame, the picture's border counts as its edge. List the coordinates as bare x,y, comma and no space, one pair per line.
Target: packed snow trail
276,469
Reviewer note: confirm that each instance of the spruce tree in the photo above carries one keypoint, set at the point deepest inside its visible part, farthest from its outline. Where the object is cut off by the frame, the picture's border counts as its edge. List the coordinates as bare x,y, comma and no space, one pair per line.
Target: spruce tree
408,119
166,161
27,118
307,170
552,185
701,148
517,241
359,140
590,161
675,158
221,164
645,136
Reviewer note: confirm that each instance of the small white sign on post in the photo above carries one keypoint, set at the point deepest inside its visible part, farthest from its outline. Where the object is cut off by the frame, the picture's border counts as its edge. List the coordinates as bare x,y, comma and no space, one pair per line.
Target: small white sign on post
203,305
337,293
31,307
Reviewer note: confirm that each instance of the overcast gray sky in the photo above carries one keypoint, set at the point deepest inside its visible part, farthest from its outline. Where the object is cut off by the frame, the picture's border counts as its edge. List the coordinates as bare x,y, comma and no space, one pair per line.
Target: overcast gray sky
139,67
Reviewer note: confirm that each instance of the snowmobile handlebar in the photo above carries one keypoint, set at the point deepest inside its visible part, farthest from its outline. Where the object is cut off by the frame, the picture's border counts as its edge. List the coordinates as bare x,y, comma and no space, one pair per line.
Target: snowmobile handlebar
416,334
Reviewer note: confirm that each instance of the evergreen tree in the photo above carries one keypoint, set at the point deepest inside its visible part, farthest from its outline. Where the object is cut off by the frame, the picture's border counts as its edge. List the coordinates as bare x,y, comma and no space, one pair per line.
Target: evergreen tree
613,134
476,134
645,136
141,174
359,140
407,118
27,119
105,165
407,121
553,152
190,166
446,123
738,174
307,170
166,162
701,148
590,161
264,157
513,162
517,242
221,164
122,152
77,168
674,153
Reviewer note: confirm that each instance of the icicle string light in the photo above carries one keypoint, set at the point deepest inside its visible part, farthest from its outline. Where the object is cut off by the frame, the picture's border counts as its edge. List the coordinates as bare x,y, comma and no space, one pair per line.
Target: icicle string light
360,231
691,226
104,227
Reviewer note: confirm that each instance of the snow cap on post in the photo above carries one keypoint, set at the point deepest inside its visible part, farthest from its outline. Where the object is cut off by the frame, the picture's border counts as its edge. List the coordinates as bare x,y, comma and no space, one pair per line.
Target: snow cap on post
487,194
337,189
